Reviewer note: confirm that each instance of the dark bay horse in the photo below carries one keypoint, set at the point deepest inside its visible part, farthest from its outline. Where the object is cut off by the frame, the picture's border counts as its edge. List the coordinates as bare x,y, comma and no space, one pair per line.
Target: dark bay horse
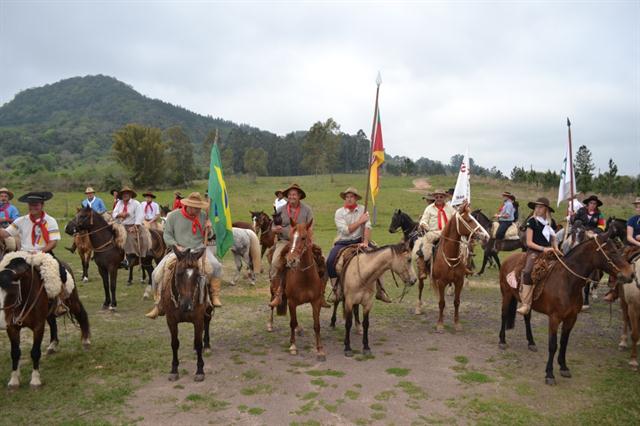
561,297
185,300
618,229
491,247
107,255
25,304
302,283
450,259
157,252
262,227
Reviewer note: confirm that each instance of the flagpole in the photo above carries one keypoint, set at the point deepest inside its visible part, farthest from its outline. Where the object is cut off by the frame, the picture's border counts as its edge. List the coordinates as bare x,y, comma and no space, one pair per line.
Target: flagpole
570,168
373,129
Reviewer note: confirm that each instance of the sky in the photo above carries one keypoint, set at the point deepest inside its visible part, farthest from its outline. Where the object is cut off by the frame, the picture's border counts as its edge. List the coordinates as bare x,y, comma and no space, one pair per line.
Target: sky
497,78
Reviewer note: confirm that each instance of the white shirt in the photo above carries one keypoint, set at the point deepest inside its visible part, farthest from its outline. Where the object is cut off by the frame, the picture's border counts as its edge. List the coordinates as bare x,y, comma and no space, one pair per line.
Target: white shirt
150,213
345,217
134,209
23,226
278,203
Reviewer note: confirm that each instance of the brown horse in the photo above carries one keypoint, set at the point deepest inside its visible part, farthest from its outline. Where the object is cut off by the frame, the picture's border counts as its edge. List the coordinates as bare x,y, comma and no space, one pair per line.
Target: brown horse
561,296
24,303
107,254
302,283
262,227
83,244
185,300
450,259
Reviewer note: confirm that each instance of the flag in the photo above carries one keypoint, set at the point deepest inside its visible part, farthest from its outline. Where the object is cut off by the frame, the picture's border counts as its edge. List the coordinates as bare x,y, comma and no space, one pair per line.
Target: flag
377,158
462,192
566,177
219,211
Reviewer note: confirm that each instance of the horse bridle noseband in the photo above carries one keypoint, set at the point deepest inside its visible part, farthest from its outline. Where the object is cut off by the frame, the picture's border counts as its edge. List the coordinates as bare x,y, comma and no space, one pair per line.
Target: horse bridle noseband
18,320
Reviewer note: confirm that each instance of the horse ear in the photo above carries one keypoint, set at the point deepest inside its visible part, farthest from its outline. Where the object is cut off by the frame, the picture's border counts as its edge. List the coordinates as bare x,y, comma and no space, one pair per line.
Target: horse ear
179,254
292,222
310,223
197,254
18,266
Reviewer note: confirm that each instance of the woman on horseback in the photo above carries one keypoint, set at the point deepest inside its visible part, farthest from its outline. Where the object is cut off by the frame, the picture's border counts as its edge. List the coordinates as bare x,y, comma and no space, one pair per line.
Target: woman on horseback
590,215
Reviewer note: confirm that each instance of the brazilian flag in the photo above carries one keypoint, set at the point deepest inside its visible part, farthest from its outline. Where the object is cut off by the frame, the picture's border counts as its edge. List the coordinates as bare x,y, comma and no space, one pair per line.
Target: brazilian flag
219,211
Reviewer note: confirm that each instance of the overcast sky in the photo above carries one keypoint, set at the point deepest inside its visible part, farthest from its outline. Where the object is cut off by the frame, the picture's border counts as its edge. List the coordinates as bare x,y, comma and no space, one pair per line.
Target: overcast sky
499,78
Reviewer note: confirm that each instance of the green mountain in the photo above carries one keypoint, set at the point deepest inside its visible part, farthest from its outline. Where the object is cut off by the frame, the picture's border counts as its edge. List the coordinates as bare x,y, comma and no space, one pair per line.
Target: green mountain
72,113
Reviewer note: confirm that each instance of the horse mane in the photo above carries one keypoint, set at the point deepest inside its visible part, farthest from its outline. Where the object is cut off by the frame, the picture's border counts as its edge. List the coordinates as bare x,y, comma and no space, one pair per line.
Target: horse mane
575,248
396,248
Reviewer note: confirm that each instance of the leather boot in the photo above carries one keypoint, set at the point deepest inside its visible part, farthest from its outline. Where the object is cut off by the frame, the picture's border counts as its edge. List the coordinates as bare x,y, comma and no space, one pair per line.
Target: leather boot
157,310
611,295
381,294
61,308
422,268
526,294
215,284
336,291
72,249
277,298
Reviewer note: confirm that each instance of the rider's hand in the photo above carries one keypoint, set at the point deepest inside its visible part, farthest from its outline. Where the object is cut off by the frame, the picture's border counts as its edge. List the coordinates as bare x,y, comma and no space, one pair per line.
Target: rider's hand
547,249
364,218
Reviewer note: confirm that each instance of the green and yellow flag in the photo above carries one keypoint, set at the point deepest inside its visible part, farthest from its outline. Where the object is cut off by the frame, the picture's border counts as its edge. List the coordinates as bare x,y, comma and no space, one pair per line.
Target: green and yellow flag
219,211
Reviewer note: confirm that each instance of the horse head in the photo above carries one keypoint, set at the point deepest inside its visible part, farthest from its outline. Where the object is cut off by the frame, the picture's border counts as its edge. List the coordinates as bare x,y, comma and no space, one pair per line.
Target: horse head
187,280
610,259
277,218
468,226
12,273
301,239
87,219
71,227
401,263
396,220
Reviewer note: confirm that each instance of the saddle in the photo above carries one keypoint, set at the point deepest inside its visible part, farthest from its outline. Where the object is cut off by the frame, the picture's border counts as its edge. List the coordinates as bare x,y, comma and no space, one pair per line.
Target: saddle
511,234
541,269
321,265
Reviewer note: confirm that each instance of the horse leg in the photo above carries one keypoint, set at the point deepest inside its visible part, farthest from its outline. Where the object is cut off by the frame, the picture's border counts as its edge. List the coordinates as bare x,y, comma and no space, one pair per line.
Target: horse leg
334,315
418,310
175,345
586,290
348,319
207,322
53,340
14,337
293,324
113,280
634,321
147,266
238,261
321,356
625,324
356,318
86,257
132,264
456,305
198,327
366,350
485,260
527,324
553,346
441,304
270,322
496,259
567,326
80,314
36,353
105,275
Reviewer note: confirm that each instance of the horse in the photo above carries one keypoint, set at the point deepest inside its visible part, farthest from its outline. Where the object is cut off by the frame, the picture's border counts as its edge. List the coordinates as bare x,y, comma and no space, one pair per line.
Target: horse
561,297
185,300
157,252
491,249
302,283
246,248
24,303
450,260
618,228
359,277
107,251
243,225
83,245
262,227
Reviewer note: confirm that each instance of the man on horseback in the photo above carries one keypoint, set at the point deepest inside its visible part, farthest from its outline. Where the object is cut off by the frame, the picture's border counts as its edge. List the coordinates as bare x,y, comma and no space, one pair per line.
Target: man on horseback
114,194
540,237
151,211
354,227
591,216
8,212
184,230
280,200
436,215
506,215
177,204
129,213
92,201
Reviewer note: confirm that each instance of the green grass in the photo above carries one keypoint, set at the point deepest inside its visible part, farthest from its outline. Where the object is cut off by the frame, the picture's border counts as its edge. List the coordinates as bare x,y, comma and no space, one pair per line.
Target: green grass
398,372
351,394
461,359
412,390
328,372
474,377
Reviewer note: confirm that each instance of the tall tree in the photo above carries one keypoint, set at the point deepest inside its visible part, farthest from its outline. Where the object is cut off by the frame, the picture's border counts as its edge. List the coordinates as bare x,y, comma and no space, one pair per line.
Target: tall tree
584,168
180,152
227,160
141,152
255,162
321,144
207,145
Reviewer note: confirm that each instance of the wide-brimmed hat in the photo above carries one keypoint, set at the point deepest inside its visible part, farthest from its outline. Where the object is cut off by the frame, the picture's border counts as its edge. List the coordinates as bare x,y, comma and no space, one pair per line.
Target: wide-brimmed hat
278,191
36,197
89,190
178,195
351,190
592,198
542,201
149,194
129,190
510,195
195,199
637,201
439,192
428,197
295,186
6,191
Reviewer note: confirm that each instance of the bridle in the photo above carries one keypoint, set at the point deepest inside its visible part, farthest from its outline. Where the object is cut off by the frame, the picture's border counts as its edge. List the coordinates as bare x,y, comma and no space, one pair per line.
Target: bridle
175,290
26,309
453,262
292,250
88,233
599,249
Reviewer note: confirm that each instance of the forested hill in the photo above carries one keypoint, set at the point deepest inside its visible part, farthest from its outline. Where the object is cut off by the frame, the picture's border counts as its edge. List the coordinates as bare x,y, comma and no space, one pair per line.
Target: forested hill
69,114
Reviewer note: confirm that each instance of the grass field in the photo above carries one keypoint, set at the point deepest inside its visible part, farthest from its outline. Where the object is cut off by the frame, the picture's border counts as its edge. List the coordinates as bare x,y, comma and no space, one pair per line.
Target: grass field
416,376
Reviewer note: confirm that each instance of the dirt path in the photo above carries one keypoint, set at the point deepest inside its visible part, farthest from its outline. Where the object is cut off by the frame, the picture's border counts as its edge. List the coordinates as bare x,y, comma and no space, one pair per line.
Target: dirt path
420,185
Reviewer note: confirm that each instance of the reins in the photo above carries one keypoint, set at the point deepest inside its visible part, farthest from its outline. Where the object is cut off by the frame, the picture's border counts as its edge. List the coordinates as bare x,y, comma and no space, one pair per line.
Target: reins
587,279
26,309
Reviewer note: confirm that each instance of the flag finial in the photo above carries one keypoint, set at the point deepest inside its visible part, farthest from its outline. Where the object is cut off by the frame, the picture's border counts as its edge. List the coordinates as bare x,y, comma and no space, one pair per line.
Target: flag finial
379,79
568,122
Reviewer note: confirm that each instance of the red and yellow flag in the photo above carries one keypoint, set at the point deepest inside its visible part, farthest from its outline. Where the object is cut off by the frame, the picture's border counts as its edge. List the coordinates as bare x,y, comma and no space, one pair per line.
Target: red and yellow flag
377,159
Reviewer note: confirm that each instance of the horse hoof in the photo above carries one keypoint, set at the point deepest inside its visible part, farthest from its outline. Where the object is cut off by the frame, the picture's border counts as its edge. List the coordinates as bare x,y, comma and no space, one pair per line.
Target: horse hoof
550,381
173,377
198,378
13,387
293,352
332,325
129,283
417,311
622,346
359,330
533,348
585,308
348,353
321,357
299,332
502,346
269,328
112,308
85,279
105,306
440,328
35,386
457,327
367,352
206,351
565,373
634,364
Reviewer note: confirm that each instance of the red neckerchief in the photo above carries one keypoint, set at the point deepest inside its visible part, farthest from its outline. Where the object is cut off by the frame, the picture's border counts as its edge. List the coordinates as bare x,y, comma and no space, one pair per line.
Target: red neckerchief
195,222
125,204
441,215
295,215
5,209
148,205
350,207
41,223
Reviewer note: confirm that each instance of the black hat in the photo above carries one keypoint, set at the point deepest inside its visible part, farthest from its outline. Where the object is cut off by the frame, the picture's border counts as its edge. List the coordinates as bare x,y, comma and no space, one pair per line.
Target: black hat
592,198
450,191
542,201
36,197
113,191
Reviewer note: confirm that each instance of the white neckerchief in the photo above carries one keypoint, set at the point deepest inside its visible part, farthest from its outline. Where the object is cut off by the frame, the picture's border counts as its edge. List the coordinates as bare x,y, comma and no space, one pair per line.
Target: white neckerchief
90,202
547,231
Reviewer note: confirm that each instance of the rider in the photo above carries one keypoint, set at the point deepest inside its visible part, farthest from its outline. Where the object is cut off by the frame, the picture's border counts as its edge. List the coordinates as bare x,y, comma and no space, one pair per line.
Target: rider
151,211
540,237
591,216
8,212
92,201
505,215
432,222
38,232
353,228
183,230
129,212
176,202
280,201
114,194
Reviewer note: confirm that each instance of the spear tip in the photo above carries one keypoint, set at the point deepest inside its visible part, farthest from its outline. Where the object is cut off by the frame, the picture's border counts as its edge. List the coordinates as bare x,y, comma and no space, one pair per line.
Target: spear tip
568,122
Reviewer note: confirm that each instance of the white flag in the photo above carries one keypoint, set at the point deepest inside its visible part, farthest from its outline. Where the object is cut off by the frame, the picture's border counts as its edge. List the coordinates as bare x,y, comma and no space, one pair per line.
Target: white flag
564,191
462,192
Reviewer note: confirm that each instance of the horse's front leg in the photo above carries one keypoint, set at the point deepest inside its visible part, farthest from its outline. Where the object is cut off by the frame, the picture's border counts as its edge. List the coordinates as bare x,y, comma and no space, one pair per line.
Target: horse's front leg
456,305
105,275
334,315
625,324
418,310
198,328
553,346
14,337
270,322
567,326
238,261
113,281
321,356
485,260
348,319
207,323
36,353
131,266
527,323
441,304
53,330
148,268
175,345
86,257
293,324
356,319
366,350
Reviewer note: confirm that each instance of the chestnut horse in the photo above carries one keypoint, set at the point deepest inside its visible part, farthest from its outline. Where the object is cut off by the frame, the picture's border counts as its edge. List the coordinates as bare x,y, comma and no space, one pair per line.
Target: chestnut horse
24,303
83,245
450,259
561,297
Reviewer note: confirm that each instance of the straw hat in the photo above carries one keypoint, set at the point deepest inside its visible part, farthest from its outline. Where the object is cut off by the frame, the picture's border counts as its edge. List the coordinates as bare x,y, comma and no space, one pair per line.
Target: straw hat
129,190
278,191
508,194
297,188
636,202
36,197
149,194
428,198
439,192
350,190
195,199
6,191
592,198
89,190
542,201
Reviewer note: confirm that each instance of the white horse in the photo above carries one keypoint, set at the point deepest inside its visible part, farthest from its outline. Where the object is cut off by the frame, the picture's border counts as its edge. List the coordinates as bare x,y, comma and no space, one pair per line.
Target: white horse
246,249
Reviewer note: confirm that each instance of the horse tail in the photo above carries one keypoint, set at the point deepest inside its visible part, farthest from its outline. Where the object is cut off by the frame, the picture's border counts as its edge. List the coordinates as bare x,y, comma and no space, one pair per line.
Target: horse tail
255,252
281,309
79,314
511,313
